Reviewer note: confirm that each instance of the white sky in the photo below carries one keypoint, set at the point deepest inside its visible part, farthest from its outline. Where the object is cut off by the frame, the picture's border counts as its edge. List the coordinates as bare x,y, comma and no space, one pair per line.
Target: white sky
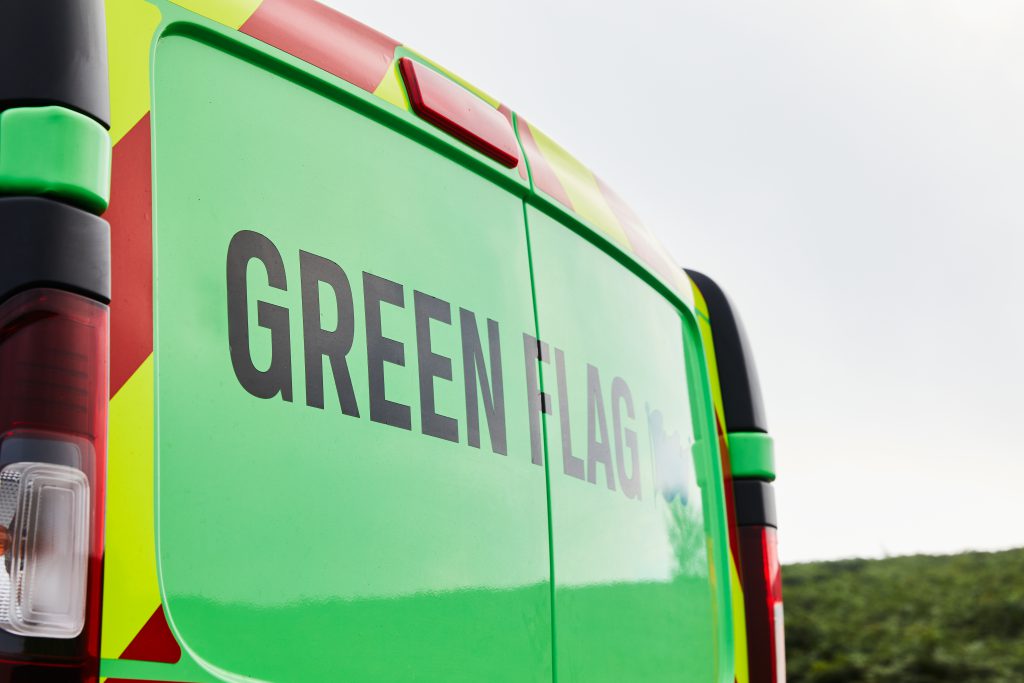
853,174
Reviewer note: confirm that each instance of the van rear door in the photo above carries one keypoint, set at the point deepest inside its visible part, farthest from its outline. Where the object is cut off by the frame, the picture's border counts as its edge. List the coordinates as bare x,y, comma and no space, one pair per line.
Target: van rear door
344,480
637,516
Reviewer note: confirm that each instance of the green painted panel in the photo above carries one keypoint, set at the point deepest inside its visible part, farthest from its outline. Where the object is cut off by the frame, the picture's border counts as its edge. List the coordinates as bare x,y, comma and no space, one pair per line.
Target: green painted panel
304,543
635,494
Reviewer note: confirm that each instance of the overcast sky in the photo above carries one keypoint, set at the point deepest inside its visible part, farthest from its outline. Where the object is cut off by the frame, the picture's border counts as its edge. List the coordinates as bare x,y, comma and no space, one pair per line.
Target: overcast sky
853,174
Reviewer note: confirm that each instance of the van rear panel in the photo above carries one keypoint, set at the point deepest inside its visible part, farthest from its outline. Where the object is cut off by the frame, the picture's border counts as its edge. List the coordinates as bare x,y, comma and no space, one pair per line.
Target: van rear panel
337,430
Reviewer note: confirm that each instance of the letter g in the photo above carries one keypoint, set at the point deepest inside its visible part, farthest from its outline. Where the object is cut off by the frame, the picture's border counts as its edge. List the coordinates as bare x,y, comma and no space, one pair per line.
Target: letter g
277,379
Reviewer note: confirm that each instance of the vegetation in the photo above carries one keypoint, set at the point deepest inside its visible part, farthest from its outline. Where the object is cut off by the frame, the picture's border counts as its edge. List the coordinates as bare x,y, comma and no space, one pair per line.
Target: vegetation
917,619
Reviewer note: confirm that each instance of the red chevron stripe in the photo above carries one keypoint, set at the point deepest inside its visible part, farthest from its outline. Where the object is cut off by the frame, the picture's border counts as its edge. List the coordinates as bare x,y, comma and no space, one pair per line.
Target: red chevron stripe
730,502
131,238
325,38
155,642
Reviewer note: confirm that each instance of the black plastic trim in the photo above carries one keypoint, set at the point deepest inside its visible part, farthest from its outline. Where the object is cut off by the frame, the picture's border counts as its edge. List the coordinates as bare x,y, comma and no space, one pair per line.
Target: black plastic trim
755,503
737,374
45,243
54,52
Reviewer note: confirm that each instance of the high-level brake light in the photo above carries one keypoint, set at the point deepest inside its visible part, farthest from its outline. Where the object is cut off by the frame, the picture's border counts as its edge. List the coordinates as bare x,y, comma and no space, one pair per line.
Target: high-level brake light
454,109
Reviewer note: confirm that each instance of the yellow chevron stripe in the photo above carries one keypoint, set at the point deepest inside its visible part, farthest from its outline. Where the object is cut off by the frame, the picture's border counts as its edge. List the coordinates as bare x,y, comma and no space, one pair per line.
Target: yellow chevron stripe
699,302
131,591
130,28
580,184
230,13
739,623
704,325
391,89
672,272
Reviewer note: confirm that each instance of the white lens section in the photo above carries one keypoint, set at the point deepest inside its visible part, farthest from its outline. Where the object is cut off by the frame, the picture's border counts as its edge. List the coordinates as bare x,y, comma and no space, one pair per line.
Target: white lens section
43,573
780,644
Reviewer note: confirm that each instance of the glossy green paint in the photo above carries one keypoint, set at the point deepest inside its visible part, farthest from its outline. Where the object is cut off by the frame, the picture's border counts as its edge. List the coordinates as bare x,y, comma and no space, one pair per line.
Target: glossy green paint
638,593
302,544
298,543
55,152
752,454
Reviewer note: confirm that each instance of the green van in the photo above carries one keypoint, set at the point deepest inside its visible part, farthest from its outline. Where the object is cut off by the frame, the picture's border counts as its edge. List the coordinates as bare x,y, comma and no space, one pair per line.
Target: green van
397,389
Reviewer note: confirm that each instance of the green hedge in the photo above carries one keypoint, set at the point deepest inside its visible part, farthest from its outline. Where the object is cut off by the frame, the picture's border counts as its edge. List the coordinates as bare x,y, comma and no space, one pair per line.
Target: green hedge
917,619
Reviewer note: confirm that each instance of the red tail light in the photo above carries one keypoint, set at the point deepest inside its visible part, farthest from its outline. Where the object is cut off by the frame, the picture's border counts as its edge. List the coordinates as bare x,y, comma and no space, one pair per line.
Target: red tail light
762,588
53,428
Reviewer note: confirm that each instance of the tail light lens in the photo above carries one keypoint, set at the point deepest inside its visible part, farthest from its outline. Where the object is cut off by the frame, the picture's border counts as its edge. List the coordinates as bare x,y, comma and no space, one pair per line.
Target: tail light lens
53,423
762,588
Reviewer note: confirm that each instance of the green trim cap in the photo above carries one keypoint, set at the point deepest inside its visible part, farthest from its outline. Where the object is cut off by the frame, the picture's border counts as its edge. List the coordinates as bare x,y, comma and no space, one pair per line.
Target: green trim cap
752,454
57,153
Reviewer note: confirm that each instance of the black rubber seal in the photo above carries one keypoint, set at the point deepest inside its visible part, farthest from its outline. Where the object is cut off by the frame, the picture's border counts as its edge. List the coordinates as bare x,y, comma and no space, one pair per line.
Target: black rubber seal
755,503
54,52
737,374
45,243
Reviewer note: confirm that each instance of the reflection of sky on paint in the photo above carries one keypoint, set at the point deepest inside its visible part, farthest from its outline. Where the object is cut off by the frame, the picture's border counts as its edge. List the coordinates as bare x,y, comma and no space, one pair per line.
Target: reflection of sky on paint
851,172
671,459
